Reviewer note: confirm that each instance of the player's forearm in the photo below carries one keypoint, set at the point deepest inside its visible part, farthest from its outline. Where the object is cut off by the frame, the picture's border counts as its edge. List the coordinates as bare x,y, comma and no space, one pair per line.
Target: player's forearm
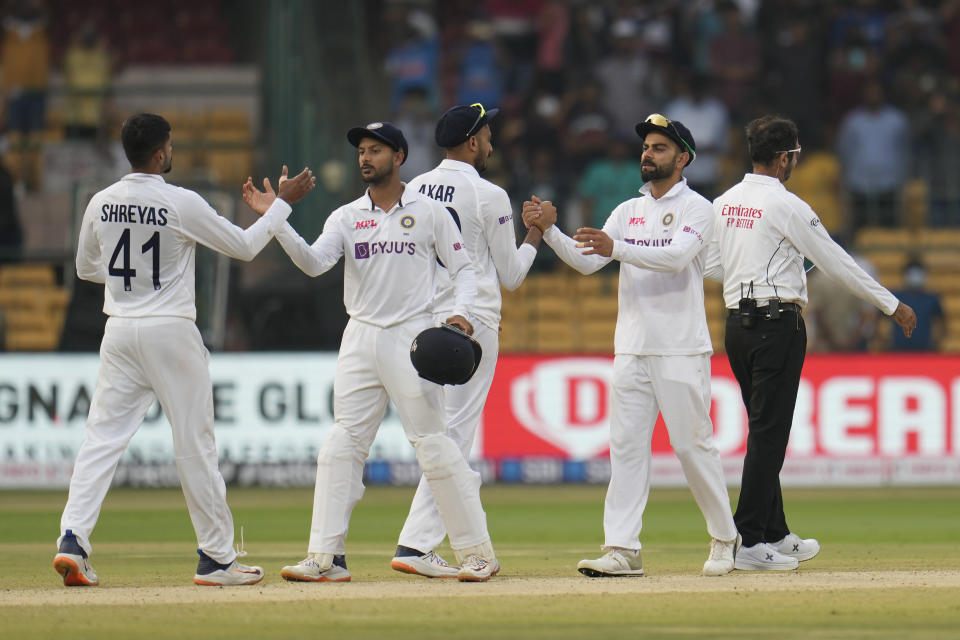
566,249
517,266
312,260
256,236
671,259
464,290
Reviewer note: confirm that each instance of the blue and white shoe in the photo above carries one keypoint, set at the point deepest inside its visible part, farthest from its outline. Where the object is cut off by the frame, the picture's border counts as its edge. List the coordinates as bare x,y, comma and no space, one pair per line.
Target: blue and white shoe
72,563
211,573
796,547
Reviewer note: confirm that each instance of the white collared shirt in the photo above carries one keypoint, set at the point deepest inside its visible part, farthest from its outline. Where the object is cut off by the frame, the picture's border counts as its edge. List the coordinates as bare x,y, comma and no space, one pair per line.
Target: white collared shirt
660,244
763,234
486,223
139,235
390,257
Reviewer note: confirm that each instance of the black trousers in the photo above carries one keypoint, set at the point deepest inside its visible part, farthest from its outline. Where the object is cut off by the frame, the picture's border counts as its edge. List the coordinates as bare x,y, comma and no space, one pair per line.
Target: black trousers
767,360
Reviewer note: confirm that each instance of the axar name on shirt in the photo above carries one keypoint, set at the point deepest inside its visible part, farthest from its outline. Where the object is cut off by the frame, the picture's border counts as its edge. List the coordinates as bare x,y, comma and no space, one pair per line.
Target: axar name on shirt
441,192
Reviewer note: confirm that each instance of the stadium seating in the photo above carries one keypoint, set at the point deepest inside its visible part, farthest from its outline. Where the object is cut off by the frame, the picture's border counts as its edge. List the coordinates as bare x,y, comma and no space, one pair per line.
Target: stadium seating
32,307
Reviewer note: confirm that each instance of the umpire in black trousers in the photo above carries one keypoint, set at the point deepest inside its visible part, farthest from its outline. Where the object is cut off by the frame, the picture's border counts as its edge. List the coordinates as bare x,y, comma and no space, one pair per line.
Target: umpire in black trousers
764,232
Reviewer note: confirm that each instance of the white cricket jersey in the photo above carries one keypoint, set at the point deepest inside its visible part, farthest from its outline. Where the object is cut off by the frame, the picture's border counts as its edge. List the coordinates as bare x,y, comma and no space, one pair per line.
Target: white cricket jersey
660,244
390,257
139,235
486,224
763,234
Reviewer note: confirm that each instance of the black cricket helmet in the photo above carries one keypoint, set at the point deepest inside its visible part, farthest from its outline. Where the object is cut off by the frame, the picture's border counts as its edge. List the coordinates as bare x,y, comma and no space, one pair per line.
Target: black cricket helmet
445,355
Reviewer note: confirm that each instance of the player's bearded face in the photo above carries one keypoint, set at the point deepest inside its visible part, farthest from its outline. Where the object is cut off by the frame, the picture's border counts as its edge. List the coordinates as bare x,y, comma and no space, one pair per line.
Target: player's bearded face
376,162
167,156
650,169
484,149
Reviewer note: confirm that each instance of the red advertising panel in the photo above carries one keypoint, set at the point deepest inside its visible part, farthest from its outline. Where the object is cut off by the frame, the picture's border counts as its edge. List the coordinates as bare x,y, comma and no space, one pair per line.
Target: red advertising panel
862,406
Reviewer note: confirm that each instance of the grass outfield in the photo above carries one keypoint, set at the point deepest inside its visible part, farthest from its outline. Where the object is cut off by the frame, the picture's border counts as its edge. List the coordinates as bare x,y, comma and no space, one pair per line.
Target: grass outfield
889,569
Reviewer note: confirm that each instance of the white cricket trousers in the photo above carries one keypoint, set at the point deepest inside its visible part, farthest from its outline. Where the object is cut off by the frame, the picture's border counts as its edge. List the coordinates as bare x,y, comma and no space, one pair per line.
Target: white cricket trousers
679,388
374,364
423,529
142,359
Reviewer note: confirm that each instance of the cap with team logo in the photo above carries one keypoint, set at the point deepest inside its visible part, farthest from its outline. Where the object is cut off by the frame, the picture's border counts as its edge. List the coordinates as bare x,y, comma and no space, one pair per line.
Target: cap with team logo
460,122
382,131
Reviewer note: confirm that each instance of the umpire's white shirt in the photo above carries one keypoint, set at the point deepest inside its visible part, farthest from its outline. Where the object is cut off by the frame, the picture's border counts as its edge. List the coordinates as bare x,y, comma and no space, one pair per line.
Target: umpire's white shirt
660,244
486,223
139,235
764,232
390,257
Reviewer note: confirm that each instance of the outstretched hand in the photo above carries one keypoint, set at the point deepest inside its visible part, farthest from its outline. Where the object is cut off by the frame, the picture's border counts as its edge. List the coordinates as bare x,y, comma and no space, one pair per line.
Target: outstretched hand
292,190
906,318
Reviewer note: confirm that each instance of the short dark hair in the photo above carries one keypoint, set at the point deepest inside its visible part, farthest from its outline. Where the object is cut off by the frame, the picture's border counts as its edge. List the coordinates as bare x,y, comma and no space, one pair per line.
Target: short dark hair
768,136
142,135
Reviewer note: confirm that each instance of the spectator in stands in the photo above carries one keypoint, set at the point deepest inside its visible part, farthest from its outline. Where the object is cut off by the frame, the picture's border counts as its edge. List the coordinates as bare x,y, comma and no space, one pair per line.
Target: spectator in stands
585,44
86,77
417,123
697,106
553,24
837,320
588,128
852,64
873,143
25,60
607,182
412,63
480,79
735,59
631,85
930,320
938,158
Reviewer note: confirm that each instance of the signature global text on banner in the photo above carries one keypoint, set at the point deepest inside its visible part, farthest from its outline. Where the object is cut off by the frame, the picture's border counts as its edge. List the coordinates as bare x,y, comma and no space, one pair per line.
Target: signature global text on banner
859,421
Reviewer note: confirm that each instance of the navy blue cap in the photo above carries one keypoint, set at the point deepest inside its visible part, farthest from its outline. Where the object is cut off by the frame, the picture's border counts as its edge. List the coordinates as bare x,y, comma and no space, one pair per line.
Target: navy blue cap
674,130
460,122
382,131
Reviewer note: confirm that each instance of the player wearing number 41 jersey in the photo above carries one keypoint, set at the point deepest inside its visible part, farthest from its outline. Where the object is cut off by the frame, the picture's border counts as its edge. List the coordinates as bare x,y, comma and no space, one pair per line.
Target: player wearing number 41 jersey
138,238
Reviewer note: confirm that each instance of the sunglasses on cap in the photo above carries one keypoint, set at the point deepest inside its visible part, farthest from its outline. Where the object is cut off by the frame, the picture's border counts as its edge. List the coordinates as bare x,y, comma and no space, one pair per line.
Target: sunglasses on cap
483,112
660,120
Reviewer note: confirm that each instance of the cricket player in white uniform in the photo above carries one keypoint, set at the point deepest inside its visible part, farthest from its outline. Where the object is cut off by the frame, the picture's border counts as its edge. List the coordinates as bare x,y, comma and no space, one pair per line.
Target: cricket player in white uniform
138,237
482,211
763,233
390,238
662,345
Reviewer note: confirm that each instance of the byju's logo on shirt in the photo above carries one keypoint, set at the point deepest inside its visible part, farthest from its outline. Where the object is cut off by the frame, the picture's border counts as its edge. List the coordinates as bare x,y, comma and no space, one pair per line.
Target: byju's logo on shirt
363,250
504,219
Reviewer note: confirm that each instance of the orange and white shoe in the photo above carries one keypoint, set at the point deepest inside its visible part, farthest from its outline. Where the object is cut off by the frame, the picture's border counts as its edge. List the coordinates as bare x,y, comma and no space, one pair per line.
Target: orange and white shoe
72,563
429,565
318,567
211,573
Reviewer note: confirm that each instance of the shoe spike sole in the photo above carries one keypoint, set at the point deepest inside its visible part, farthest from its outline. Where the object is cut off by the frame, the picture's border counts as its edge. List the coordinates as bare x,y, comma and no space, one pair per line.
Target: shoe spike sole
72,576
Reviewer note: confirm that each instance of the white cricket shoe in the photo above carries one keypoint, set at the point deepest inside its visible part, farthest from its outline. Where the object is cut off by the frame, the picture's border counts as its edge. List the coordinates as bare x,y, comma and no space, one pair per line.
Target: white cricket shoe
796,547
763,557
477,569
429,565
76,570
616,562
72,563
235,574
720,561
318,567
